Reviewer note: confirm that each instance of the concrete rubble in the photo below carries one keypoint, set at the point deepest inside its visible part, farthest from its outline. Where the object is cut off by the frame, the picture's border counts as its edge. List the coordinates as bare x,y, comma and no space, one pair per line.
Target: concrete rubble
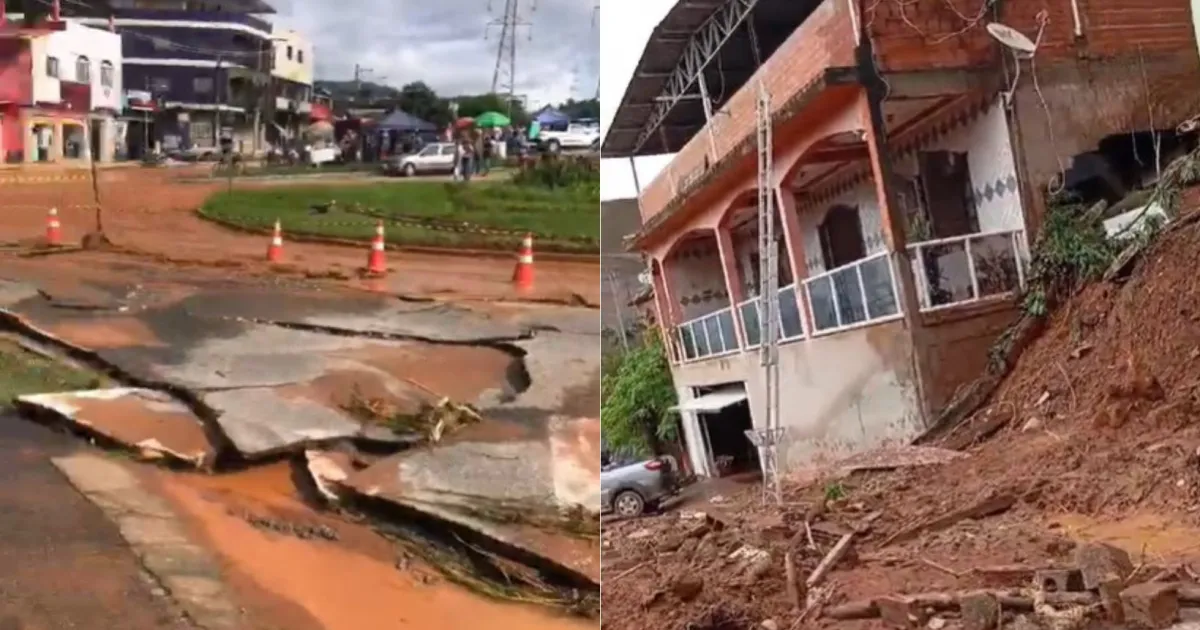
266,372
150,422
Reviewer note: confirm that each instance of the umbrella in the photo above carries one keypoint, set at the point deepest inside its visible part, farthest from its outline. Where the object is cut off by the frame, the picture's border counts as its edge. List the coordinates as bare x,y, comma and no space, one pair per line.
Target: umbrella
464,122
492,119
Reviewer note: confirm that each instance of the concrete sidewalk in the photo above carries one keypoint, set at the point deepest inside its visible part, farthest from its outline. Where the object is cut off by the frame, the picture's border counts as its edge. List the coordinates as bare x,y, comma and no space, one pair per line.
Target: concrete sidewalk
65,564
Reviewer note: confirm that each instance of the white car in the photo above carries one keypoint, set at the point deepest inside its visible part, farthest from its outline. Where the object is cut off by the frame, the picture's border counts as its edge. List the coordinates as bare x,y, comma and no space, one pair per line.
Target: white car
576,137
433,158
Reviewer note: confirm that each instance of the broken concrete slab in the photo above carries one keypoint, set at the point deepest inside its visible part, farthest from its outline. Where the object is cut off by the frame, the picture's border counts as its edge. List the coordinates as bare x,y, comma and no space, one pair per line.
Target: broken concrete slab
575,460
259,422
13,292
152,422
188,572
503,491
439,323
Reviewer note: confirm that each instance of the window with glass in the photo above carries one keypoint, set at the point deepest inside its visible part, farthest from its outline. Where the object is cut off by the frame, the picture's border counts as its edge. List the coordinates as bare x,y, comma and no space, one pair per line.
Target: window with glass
83,70
52,67
107,74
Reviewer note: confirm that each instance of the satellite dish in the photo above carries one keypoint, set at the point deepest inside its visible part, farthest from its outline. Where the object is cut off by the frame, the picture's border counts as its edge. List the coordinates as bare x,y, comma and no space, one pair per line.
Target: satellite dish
1012,38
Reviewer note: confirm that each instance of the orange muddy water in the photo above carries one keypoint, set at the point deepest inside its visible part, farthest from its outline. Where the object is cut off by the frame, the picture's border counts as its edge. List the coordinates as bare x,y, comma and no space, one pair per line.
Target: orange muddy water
285,582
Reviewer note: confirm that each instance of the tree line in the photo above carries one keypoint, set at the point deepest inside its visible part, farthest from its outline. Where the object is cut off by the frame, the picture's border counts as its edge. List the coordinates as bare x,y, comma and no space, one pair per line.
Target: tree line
420,100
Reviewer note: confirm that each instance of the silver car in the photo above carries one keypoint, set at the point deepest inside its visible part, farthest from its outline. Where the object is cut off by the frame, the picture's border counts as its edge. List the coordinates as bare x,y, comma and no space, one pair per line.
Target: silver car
628,488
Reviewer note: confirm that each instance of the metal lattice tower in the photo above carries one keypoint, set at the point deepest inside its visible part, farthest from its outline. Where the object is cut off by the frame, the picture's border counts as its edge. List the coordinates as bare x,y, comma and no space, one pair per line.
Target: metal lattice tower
768,438
509,22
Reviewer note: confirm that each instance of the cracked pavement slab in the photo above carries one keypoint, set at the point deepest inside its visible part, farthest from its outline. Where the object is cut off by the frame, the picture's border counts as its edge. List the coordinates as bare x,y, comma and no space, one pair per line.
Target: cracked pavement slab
148,421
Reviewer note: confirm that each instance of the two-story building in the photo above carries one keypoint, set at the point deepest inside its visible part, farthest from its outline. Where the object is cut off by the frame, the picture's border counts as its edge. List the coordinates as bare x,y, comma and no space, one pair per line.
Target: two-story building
206,64
913,150
60,90
292,86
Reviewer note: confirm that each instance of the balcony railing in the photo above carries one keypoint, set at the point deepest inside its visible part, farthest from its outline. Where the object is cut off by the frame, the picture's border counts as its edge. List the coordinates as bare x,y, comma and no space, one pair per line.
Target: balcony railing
791,322
708,336
862,292
963,269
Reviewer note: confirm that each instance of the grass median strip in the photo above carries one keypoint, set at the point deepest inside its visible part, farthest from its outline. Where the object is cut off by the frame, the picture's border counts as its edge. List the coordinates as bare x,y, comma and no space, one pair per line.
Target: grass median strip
475,215
25,372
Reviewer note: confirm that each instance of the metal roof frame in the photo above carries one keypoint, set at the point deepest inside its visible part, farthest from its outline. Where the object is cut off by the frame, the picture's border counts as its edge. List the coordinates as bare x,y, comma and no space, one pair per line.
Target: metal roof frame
701,48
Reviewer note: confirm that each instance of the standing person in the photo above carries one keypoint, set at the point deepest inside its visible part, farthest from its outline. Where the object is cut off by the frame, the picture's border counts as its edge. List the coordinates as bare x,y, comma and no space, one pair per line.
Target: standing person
489,151
477,151
458,161
468,159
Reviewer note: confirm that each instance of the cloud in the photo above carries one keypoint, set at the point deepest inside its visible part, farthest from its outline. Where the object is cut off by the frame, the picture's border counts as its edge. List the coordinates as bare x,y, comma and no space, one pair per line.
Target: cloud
442,42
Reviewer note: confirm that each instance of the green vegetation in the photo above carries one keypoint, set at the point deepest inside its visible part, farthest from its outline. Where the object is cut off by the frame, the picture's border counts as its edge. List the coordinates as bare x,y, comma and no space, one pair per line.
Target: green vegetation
636,399
479,214
23,372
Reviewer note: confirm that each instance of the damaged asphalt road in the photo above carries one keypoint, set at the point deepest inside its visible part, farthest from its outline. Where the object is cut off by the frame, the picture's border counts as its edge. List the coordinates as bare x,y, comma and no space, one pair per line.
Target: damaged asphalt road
269,371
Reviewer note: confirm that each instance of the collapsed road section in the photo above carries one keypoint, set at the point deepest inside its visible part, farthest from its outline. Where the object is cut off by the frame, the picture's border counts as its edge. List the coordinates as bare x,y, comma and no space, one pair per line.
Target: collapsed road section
458,429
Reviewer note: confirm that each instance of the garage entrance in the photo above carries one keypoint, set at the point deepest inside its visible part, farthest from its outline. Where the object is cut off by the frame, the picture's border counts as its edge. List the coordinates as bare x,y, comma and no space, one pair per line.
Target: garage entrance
723,417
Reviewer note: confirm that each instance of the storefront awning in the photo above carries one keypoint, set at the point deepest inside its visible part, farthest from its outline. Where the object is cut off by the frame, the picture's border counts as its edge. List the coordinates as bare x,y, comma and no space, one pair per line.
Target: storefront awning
716,401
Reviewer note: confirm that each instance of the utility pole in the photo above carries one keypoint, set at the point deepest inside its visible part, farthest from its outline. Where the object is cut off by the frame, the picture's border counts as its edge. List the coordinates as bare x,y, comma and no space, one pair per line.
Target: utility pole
504,77
217,102
359,72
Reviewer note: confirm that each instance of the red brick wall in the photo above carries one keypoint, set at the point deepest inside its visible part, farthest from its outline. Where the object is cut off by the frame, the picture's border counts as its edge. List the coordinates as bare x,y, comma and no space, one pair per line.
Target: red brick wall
925,34
824,40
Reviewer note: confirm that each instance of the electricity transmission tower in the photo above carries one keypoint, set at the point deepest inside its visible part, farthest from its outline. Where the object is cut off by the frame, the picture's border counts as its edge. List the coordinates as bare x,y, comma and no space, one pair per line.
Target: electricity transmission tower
595,31
510,21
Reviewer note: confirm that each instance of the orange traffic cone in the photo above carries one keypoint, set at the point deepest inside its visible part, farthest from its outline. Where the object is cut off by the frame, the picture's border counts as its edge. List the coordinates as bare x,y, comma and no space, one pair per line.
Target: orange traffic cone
376,264
53,228
523,273
275,249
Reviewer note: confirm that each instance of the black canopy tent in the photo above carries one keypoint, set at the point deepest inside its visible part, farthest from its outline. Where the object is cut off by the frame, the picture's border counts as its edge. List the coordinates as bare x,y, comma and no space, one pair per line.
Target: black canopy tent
397,129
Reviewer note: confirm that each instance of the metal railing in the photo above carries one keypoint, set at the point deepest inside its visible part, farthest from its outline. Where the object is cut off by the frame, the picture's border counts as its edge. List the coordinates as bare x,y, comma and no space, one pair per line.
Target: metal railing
711,335
862,292
791,322
963,269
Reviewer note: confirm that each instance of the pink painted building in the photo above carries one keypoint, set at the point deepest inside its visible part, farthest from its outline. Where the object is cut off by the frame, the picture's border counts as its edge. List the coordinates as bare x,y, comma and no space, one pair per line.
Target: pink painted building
60,90
911,157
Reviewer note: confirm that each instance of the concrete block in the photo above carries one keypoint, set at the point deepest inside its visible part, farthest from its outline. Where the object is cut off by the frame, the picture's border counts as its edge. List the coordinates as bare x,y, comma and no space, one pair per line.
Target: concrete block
1059,580
1099,562
980,611
1152,605
898,611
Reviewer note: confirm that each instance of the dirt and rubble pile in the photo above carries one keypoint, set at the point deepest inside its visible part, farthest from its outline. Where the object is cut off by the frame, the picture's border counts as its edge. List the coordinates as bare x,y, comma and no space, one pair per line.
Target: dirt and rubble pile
719,569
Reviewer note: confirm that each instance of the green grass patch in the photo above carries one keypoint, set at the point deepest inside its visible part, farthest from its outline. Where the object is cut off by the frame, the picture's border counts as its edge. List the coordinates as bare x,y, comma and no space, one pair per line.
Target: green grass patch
490,215
23,372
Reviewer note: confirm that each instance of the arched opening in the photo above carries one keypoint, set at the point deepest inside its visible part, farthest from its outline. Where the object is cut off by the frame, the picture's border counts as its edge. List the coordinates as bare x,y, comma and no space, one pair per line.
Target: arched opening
695,281
841,237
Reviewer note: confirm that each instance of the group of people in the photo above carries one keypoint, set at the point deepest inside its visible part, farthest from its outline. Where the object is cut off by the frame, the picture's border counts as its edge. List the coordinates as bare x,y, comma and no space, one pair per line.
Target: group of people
476,150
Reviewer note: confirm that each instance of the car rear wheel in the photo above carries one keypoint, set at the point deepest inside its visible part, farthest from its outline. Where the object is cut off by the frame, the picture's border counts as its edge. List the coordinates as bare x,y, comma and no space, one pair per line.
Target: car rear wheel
410,170
553,147
629,504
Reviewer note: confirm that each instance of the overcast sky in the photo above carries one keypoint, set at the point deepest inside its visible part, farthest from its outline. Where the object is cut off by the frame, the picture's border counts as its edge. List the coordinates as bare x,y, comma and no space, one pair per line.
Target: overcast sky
625,25
442,43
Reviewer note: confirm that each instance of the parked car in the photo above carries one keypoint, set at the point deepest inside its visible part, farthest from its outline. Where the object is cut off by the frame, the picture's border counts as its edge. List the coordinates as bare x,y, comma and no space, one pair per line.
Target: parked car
576,137
436,158
629,487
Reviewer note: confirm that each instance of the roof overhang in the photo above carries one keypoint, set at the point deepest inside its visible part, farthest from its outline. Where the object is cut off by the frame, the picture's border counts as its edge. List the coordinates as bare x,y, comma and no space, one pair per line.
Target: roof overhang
714,401
702,46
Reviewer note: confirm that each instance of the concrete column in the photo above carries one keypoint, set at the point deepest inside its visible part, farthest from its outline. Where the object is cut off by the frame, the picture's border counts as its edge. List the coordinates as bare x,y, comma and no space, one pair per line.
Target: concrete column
57,142
108,140
732,286
668,312
31,141
895,233
794,238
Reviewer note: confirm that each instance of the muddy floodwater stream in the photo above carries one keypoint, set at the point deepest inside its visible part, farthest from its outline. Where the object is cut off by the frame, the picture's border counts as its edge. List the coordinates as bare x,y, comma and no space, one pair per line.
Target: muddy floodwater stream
298,582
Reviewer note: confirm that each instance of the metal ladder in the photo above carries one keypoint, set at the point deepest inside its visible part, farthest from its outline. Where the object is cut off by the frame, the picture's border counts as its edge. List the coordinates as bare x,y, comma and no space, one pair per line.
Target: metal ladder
768,438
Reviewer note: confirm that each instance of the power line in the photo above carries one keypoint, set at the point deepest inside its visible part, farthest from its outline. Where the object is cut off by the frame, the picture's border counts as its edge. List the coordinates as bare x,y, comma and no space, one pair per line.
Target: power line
511,20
